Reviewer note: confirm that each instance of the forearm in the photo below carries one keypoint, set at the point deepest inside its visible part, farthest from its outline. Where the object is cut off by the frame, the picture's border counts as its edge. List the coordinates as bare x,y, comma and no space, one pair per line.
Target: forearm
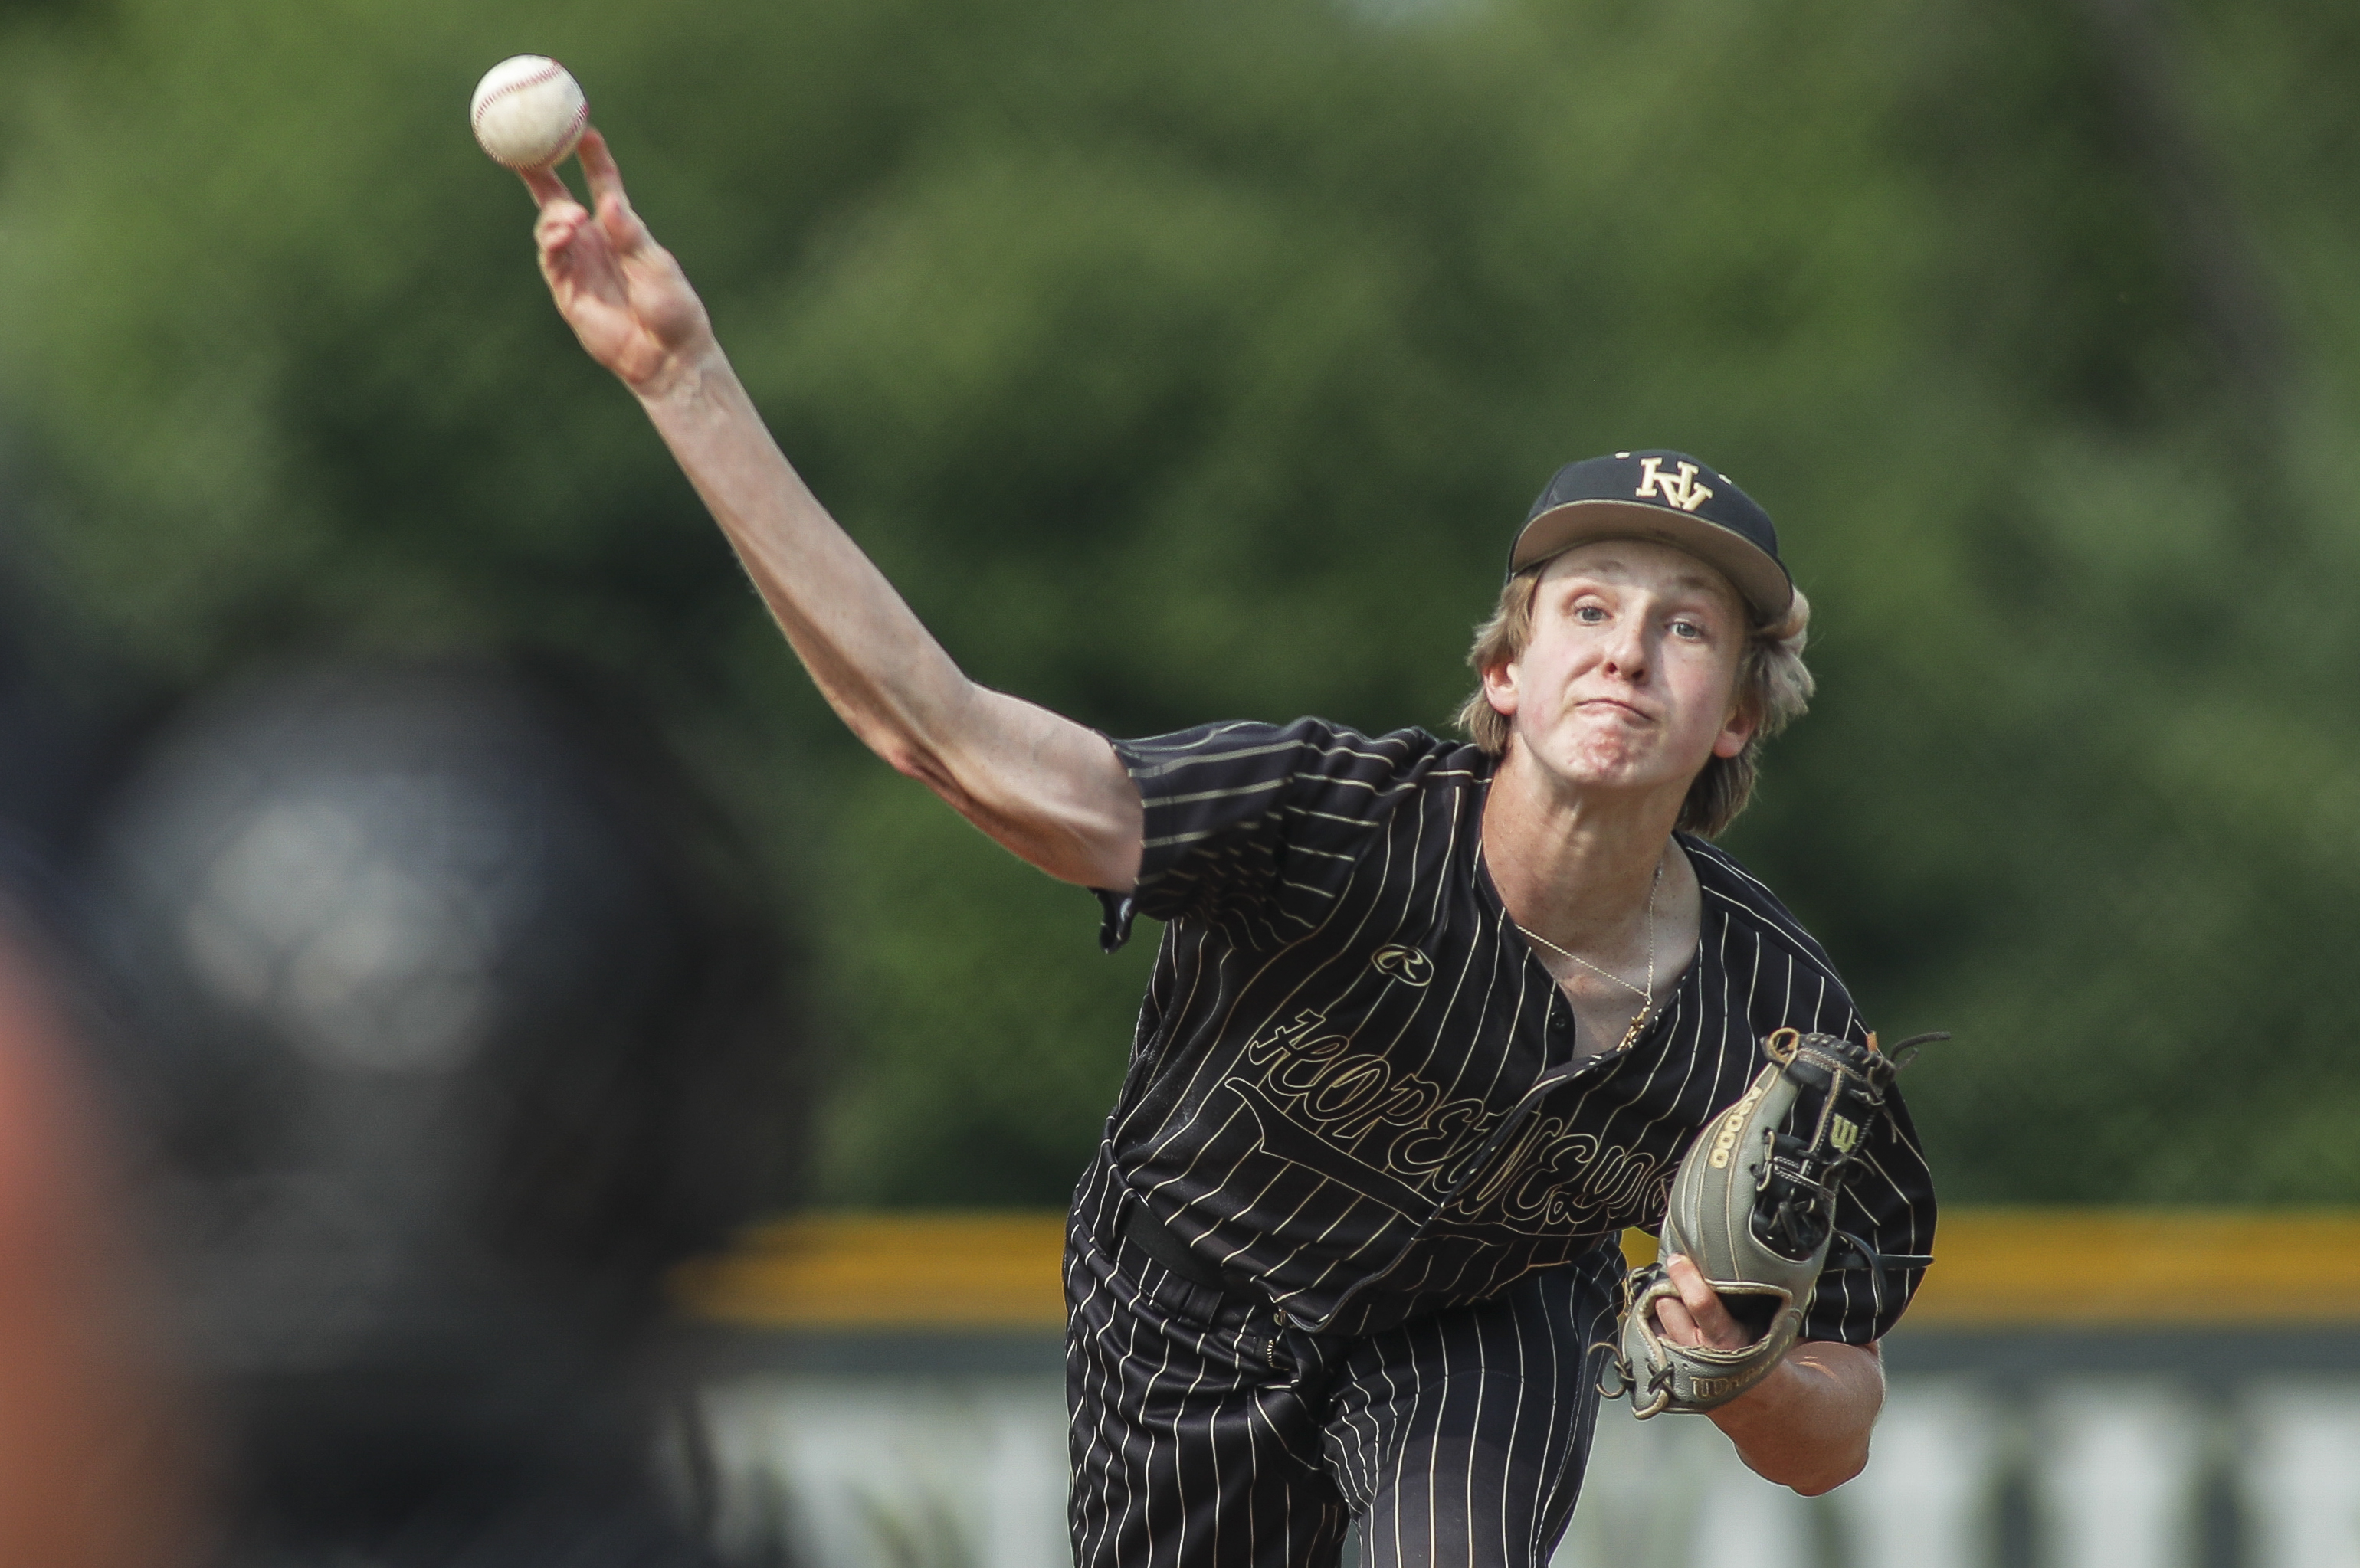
1037,783
1807,1425
1047,788
872,659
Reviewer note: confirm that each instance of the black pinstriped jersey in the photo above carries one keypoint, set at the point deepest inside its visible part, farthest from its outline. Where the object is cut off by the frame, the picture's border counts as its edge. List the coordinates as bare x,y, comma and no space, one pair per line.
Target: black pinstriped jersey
1355,1086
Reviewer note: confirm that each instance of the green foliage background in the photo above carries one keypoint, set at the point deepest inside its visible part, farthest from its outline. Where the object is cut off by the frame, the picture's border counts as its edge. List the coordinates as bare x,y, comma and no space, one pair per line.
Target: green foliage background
1193,360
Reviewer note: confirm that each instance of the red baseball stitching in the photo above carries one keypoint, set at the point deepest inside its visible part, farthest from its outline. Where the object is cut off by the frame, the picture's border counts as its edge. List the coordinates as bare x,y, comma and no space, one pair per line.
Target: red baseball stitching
555,70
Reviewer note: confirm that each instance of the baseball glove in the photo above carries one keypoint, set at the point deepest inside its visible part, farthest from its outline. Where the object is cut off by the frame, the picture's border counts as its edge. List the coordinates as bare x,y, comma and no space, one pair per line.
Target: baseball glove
1754,1207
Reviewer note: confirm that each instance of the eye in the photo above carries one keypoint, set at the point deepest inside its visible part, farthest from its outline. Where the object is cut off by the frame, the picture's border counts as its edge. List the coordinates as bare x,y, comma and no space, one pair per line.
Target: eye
1689,631
1589,615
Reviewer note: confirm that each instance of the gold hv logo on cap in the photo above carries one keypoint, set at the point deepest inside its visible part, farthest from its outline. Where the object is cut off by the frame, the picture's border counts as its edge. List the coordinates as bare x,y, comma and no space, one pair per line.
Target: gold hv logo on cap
1679,489
1714,520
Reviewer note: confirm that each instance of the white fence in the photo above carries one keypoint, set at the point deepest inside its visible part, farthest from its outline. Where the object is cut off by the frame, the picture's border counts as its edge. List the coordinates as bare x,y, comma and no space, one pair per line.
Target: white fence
968,1470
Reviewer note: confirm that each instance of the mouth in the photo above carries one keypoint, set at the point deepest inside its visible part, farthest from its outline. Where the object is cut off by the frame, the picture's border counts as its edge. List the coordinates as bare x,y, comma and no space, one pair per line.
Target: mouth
1615,707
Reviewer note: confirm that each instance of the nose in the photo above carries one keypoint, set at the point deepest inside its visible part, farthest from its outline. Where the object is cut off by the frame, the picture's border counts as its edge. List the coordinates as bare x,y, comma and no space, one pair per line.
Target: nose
1625,651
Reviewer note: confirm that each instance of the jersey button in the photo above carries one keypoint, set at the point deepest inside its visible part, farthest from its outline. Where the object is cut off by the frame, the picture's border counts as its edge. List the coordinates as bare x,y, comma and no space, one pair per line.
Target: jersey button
1278,1316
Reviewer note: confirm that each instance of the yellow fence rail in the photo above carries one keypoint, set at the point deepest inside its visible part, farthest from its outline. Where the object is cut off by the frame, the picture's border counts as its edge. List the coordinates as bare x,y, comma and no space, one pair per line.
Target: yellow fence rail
1995,1268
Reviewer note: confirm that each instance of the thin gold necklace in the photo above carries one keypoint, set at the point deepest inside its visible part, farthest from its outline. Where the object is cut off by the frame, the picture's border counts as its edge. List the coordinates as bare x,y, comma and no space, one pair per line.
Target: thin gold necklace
1646,993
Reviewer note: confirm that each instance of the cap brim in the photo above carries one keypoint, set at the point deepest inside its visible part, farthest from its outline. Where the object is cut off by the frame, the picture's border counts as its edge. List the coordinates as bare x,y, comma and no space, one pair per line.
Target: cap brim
1767,588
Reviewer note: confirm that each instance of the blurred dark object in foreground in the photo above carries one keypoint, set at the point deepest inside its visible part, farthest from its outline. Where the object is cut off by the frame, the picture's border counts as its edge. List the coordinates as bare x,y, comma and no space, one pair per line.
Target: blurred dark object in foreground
456,1019
99,1465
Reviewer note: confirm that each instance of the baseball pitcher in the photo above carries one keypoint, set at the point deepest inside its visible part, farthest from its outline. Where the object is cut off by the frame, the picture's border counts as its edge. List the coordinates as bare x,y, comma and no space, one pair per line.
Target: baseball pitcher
1432,1020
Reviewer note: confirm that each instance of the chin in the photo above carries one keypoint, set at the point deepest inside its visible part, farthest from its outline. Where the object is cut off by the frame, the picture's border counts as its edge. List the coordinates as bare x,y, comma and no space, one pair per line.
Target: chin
1588,770
1588,764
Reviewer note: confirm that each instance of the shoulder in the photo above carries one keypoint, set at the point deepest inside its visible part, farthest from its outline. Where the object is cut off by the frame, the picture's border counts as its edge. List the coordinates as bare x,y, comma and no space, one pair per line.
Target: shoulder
1238,813
1238,751
1746,901
1772,973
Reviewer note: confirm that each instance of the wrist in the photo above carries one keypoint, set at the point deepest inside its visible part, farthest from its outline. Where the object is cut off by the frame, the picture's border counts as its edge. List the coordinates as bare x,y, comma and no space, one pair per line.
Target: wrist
1765,1403
684,379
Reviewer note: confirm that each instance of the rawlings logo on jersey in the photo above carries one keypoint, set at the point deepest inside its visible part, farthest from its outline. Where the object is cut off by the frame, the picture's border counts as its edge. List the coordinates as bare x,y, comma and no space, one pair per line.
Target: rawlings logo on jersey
1406,964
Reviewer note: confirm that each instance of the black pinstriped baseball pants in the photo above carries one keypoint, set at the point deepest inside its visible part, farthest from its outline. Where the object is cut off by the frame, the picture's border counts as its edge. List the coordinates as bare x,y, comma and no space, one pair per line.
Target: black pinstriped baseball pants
1209,1435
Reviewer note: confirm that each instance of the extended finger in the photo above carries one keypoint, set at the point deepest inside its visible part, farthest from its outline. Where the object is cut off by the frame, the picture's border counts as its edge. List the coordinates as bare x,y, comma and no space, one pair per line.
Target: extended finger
547,189
1671,1317
1703,1303
560,222
605,176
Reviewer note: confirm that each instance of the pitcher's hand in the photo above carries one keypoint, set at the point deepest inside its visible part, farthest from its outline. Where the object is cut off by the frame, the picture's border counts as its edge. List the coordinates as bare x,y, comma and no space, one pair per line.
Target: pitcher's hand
623,294
1698,1316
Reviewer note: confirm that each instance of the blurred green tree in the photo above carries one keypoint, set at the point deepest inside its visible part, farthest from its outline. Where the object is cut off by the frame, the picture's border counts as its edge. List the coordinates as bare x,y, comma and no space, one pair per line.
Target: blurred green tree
1193,361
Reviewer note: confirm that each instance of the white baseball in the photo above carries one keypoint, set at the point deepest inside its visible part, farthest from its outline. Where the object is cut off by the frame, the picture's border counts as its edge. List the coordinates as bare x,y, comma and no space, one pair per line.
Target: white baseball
528,111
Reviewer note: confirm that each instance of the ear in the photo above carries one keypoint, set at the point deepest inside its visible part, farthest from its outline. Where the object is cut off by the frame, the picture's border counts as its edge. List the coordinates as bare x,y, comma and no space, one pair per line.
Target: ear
1735,730
1500,688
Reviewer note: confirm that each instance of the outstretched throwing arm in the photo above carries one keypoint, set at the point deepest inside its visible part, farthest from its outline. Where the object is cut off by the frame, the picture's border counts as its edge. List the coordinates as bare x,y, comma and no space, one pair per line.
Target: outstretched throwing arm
1047,788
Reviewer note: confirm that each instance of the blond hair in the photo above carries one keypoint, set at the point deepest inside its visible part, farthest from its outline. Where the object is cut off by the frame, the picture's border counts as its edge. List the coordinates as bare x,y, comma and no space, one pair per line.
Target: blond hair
1774,687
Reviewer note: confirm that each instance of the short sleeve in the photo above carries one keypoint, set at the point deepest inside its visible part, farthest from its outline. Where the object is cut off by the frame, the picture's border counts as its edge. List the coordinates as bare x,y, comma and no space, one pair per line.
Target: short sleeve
1258,824
1888,1204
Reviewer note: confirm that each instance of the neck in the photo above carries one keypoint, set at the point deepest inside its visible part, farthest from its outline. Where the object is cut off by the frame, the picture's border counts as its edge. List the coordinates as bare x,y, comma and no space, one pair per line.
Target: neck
1575,866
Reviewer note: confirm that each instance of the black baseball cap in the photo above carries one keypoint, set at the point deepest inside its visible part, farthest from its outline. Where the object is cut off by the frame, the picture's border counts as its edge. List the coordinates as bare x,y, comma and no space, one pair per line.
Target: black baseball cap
1667,496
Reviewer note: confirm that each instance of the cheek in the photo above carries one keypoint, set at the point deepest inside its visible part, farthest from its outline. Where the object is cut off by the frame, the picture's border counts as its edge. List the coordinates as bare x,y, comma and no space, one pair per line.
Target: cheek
1709,694
1563,652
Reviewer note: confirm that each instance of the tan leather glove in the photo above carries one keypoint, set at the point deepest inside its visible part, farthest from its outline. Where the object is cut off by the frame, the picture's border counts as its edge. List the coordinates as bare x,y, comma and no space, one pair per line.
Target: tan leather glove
1754,1207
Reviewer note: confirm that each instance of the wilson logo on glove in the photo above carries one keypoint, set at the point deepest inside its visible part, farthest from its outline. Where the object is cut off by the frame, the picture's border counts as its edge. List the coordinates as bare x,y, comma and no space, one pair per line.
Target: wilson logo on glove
1754,1208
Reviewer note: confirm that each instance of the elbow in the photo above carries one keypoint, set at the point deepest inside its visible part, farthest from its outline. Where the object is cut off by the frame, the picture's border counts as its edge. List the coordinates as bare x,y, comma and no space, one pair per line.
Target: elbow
931,768
1826,1442
904,758
1810,1464
1825,1479
907,757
